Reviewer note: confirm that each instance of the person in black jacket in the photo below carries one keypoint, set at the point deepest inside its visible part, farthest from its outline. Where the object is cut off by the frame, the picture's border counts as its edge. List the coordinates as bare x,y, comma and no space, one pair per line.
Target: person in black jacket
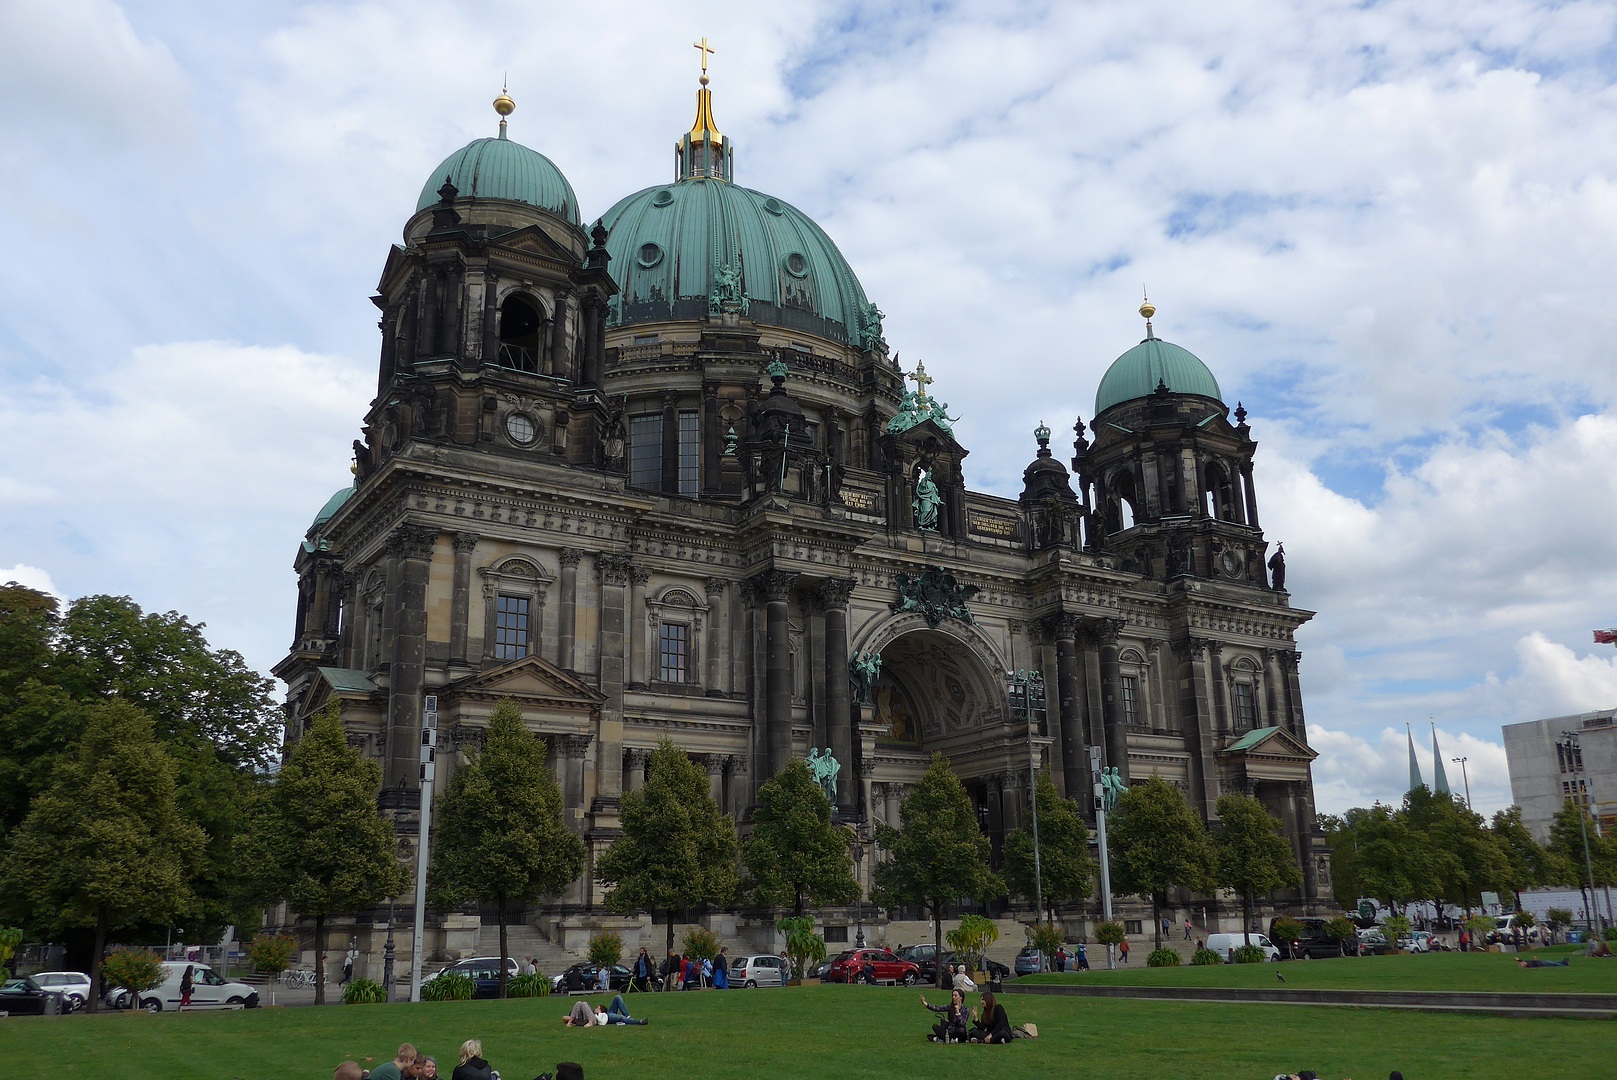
990,1024
642,971
472,1066
952,1028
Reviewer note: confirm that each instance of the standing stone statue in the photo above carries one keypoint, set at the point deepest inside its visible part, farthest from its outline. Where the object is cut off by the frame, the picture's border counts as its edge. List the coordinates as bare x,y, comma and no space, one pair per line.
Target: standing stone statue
1277,568
926,503
865,669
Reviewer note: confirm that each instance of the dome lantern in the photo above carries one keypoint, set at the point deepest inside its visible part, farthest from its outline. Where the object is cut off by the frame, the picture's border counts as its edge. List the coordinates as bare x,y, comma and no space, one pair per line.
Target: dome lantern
703,152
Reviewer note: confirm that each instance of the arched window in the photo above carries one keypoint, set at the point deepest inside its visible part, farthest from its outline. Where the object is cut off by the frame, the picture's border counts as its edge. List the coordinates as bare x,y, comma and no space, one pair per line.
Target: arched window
520,323
1219,493
1127,500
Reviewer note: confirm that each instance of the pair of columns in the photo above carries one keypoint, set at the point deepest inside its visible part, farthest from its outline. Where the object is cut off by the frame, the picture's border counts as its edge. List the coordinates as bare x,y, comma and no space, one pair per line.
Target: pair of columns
1088,696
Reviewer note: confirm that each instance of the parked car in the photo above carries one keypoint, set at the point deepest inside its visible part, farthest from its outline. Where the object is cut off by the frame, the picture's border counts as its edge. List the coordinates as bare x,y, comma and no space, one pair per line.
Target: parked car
1027,961
818,970
74,986
1372,942
581,978
1226,944
25,997
1504,931
209,990
1313,944
928,968
1419,941
484,971
850,967
755,971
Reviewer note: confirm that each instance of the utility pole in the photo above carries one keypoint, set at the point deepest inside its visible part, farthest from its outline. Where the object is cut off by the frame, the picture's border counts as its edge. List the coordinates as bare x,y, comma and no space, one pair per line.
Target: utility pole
429,754
1100,836
1466,777
1569,740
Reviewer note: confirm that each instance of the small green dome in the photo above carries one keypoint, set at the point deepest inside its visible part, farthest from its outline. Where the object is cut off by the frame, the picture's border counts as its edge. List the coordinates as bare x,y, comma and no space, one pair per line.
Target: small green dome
502,169
1136,373
669,243
333,504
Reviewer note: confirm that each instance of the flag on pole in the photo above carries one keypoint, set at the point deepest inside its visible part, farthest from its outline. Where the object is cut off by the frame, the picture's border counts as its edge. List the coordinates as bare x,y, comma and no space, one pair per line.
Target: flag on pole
1606,637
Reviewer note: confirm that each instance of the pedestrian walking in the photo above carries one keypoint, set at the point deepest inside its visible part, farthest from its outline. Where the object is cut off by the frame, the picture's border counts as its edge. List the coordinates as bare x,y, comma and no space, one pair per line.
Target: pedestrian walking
1187,929
1167,927
187,984
1123,949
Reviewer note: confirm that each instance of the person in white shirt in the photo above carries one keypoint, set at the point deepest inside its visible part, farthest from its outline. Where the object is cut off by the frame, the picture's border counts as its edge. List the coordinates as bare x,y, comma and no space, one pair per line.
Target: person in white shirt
962,981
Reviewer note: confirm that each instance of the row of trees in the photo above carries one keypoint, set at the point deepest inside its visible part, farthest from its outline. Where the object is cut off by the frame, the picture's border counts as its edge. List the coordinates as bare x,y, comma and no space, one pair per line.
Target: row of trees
1433,849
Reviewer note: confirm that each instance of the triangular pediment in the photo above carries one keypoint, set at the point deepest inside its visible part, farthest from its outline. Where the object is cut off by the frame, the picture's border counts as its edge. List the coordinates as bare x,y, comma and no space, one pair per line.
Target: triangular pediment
535,241
530,680
927,429
1273,743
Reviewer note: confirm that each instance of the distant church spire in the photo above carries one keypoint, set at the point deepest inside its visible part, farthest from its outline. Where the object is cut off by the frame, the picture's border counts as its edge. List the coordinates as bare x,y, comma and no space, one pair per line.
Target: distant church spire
1440,780
1414,763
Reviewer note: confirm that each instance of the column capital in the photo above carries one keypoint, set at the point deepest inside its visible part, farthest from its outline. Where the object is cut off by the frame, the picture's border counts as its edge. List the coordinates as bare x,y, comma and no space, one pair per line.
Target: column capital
574,746
614,569
716,586
715,763
738,764
465,541
776,584
1104,631
639,575
465,736
1188,648
1289,661
570,556
412,541
834,592
1061,626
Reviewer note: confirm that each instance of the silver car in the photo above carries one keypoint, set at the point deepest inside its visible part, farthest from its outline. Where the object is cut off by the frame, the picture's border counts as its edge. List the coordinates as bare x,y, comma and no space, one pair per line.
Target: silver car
74,986
753,971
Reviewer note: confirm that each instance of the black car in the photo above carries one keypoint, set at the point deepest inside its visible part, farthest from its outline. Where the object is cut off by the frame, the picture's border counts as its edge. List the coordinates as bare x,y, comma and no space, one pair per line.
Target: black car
1313,944
25,997
929,968
581,978
484,971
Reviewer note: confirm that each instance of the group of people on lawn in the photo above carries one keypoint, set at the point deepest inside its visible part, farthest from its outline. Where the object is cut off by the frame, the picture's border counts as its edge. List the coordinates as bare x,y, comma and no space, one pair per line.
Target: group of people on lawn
410,1064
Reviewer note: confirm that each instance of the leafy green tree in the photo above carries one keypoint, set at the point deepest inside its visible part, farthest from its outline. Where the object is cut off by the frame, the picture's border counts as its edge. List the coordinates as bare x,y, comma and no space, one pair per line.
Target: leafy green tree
938,854
1569,866
972,937
136,970
1252,854
1342,930
500,837
1158,843
1526,863
795,854
1377,855
1557,919
804,948
321,844
606,948
105,845
678,848
1046,937
10,940
1066,871
1463,856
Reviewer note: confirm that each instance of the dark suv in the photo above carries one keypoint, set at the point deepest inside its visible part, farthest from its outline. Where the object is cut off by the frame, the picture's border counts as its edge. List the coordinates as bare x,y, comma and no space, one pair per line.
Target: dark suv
1313,943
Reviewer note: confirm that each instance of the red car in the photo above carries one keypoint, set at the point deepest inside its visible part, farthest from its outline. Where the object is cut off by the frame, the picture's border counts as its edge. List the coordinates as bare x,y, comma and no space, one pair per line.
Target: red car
851,967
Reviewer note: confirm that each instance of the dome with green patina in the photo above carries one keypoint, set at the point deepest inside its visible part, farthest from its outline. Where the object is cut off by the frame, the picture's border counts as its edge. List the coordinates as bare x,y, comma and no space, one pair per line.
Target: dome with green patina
337,501
703,246
1137,372
501,169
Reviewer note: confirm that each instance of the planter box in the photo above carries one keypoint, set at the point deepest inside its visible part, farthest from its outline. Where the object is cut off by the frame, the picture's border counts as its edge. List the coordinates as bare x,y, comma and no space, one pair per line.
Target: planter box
804,982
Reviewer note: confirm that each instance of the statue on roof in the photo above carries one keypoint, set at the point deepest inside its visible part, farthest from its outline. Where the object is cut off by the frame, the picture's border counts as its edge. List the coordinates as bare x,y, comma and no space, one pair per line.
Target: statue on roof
926,503
726,296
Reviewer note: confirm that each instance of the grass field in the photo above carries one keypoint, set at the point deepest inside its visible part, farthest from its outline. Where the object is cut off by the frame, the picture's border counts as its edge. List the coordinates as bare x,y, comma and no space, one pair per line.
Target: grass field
824,1031
1482,972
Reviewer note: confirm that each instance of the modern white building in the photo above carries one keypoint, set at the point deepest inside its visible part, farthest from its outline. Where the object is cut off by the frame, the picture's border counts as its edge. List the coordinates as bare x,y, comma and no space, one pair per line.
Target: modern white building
1545,773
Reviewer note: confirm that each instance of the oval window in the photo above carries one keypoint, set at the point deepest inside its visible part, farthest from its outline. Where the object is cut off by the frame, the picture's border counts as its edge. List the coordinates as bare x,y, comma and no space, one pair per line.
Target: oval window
649,255
796,264
521,428
774,206
663,198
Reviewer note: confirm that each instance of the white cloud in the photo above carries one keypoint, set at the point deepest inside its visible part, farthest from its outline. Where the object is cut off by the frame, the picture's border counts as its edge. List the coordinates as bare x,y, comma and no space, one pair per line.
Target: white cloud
1358,769
32,577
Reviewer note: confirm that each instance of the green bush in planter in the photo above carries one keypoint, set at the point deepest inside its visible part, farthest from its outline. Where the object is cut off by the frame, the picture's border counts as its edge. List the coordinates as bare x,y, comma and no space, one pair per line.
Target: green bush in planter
364,992
450,986
528,986
1162,958
1250,954
1205,956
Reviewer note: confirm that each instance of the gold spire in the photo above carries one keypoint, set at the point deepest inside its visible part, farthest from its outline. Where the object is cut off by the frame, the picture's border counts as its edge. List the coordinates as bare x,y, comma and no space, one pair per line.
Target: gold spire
1147,309
504,105
703,129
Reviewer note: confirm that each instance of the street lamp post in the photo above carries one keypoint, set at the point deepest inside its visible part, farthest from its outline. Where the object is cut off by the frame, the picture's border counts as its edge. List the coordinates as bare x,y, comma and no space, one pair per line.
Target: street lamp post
1569,740
1466,776
1026,692
860,830
387,954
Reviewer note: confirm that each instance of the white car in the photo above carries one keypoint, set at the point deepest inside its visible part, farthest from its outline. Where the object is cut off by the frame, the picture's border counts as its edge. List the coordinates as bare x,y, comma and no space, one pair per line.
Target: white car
208,990
74,986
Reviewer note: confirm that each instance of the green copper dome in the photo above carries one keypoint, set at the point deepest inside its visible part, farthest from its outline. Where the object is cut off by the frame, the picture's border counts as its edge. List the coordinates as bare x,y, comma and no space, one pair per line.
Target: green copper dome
502,169
702,245
1136,373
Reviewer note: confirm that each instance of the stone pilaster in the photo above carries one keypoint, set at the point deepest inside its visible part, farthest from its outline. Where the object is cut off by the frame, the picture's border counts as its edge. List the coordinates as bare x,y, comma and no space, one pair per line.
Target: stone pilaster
777,589
410,549
615,572
833,596
638,626
460,604
718,627
568,632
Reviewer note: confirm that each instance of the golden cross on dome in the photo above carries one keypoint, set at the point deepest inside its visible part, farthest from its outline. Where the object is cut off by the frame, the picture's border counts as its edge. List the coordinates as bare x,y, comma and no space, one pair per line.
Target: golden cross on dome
922,379
706,51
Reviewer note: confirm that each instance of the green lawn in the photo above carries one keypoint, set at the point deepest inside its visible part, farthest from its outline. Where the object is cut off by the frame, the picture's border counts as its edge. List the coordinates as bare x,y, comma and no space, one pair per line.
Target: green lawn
846,1032
1486,972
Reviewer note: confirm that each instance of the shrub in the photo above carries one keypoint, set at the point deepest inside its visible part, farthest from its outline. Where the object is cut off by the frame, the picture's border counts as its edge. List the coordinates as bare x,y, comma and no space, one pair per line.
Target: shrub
133,969
606,948
1341,929
1162,958
699,943
528,986
1609,934
1250,954
1557,919
271,954
804,948
448,986
1047,938
1396,927
1205,956
367,992
10,941
1110,933
1286,929
1480,925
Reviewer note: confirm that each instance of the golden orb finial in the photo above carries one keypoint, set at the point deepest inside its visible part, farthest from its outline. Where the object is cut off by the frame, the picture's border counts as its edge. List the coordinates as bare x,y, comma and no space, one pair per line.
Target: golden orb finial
1147,309
503,104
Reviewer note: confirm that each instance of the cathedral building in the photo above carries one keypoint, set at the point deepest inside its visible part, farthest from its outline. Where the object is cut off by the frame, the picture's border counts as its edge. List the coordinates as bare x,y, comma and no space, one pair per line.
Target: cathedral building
660,477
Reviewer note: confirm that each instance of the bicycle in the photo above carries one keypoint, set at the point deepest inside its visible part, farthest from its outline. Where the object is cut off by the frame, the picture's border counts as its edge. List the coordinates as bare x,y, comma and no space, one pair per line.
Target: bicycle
298,978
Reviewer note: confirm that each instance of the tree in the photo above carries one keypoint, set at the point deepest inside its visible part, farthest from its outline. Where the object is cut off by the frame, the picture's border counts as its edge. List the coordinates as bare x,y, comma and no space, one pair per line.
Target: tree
1158,843
795,854
322,846
1525,862
972,937
1252,854
677,849
1569,829
804,948
1556,919
1066,871
939,854
1462,856
501,838
105,845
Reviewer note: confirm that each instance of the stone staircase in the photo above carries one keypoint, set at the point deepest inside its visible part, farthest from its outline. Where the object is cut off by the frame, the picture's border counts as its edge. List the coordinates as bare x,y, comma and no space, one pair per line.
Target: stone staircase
522,939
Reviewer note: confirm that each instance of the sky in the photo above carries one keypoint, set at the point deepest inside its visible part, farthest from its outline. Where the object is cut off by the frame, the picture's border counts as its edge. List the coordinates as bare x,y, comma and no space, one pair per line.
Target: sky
1390,230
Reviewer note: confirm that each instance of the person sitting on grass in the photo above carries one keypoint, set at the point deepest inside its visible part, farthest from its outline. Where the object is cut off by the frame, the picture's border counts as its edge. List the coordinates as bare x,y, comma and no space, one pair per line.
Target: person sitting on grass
952,1028
616,1013
472,1066
990,1024
348,1070
401,1067
961,981
1600,948
428,1069
1535,962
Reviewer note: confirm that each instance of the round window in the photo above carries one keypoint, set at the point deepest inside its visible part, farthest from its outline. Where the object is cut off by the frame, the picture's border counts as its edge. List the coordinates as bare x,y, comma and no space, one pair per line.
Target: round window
521,428
796,264
663,198
774,206
649,255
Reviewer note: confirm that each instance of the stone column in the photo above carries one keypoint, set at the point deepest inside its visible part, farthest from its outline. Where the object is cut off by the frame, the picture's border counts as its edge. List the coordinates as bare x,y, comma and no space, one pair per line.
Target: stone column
1117,735
389,613
574,748
670,476
712,443
410,548
568,630
1289,663
1251,494
737,787
777,586
638,576
834,594
352,617
814,616
588,368
718,624
460,605
1196,716
715,777
1159,684
635,762
1274,715
560,344
1075,761
614,571
1221,696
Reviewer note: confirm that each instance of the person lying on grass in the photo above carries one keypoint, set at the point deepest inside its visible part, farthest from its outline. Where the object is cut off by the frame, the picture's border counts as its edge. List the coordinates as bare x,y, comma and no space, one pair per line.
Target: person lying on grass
1523,962
583,1015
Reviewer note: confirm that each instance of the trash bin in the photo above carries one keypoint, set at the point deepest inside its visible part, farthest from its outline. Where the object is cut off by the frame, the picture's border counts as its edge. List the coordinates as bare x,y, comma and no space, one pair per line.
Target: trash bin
1574,937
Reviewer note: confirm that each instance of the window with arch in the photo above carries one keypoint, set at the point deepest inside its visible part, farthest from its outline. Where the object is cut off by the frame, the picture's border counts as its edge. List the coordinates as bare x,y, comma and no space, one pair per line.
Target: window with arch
1219,493
1125,500
1244,685
1132,700
513,608
520,324
674,618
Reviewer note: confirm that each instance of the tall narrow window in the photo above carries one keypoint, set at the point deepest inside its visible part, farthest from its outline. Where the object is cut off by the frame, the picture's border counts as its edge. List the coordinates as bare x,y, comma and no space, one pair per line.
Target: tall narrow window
690,453
1131,700
1245,708
519,335
673,652
511,627
646,451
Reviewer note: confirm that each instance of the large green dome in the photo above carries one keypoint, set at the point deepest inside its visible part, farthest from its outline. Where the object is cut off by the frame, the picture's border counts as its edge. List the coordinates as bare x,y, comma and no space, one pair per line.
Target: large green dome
502,169
672,244
1137,372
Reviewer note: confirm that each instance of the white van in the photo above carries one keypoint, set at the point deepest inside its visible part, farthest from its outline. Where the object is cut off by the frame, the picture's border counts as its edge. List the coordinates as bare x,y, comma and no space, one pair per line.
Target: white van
1226,944
208,990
